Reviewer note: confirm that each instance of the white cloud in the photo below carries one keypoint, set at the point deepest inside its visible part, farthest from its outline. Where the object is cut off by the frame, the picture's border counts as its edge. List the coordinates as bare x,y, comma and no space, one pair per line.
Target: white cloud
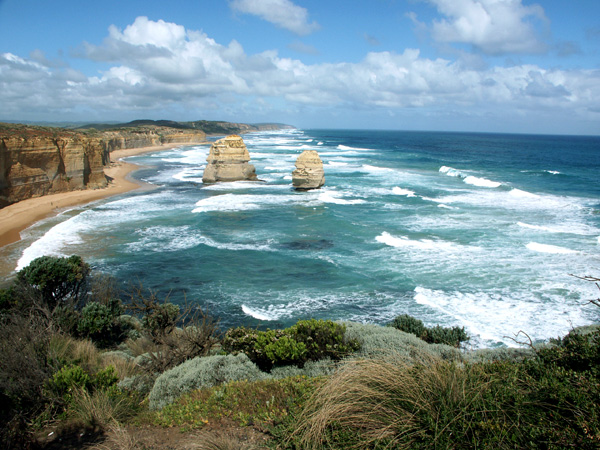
283,13
156,66
492,26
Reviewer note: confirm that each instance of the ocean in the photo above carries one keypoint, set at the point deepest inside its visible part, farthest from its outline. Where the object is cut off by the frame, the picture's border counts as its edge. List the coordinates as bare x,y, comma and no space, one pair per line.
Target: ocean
483,231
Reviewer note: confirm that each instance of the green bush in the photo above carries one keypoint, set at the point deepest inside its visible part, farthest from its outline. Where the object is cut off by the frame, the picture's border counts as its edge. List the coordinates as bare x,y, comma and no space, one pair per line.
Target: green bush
105,378
307,340
409,324
200,373
436,335
161,319
67,379
102,324
56,279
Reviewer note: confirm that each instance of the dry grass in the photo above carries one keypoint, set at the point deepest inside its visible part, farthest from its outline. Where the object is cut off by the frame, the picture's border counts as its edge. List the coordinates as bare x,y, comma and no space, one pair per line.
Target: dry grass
375,402
213,440
141,346
99,409
118,438
80,351
124,367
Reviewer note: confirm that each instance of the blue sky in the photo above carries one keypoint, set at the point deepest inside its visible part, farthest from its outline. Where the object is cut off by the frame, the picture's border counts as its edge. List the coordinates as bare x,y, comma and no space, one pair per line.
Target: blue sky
458,65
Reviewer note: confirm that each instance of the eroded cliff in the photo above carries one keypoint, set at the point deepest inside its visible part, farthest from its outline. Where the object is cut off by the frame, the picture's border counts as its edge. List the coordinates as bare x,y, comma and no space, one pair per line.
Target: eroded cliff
36,161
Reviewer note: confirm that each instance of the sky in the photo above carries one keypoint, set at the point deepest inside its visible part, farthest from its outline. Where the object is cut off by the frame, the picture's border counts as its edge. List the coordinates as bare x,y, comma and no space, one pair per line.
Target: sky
449,65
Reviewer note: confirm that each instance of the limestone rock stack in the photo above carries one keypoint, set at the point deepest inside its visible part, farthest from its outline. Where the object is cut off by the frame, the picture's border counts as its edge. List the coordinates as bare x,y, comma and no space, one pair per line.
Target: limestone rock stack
309,172
228,161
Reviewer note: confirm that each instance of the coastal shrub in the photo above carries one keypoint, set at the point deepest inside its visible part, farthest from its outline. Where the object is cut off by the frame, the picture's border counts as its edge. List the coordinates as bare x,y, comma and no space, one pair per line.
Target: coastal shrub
500,354
67,379
323,339
24,370
102,324
409,324
161,320
388,342
260,403
311,369
201,372
435,335
141,384
164,344
307,340
56,279
550,400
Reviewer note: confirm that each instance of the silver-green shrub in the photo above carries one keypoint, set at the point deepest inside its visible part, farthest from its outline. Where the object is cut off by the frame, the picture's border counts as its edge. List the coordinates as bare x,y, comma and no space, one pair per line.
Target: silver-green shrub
389,343
484,355
137,383
311,369
118,354
199,373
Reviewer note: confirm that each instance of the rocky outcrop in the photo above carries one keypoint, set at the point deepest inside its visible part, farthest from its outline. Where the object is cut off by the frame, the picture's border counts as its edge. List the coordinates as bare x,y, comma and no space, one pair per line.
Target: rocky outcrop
309,172
41,165
228,161
36,161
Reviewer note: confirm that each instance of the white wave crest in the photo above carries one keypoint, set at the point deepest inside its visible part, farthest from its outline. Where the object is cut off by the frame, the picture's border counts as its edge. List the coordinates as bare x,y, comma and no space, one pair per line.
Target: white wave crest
422,244
481,182
329,197
400,191
345,147
469,179
547,248
256,314
241,202
53,242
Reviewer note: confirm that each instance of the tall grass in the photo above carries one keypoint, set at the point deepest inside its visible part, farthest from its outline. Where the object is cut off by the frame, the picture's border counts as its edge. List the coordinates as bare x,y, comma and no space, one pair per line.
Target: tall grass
380,404
100,409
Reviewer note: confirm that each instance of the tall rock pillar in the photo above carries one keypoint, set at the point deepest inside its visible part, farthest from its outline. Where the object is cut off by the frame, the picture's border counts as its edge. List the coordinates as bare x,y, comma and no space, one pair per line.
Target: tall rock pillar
309,172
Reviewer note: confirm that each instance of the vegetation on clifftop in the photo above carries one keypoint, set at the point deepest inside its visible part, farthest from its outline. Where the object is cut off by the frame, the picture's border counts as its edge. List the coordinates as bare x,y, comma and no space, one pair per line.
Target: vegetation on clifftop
72,359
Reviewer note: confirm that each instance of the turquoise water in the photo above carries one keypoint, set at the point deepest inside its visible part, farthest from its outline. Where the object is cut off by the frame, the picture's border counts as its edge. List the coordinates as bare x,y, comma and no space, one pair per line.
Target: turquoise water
476,230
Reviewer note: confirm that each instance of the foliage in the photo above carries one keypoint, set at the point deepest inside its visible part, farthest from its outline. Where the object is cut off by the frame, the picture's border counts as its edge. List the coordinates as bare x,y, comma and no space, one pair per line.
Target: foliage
388,342
435,335
551,401
56,279
67,379
259,403
101,408
102,324
166,345
307,340
199,373
24,369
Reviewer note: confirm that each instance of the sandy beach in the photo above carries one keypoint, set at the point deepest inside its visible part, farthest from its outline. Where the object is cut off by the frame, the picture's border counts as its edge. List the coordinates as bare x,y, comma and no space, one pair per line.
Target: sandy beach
15,218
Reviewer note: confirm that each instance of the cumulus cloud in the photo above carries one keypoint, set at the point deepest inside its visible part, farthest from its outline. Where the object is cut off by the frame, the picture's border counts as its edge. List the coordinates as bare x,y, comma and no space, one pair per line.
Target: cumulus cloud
156,65
492,26
283,13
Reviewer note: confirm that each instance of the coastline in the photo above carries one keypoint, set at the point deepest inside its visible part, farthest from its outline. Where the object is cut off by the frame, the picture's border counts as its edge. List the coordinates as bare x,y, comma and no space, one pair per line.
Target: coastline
21,215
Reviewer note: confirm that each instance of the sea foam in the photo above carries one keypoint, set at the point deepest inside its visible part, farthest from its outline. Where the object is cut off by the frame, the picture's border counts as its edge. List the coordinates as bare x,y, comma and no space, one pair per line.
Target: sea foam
547,248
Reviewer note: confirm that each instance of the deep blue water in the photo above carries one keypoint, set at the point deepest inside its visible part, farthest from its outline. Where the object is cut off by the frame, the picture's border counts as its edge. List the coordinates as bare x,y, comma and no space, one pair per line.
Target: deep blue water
477,230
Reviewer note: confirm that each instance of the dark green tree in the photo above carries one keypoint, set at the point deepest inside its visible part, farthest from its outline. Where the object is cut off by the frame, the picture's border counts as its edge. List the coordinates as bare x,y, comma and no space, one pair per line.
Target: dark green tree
55,279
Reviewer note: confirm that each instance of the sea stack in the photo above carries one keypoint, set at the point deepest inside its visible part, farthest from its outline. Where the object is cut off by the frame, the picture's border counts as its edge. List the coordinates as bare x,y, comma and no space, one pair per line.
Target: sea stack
228,161
309,172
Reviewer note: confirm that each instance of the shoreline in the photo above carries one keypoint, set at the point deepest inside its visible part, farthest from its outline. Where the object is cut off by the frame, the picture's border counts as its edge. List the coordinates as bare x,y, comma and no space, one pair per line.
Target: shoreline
21,215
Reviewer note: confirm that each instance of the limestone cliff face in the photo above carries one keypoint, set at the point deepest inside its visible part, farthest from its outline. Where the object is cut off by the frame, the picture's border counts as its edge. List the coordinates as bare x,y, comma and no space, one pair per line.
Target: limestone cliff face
41,165
36,161
309,172
228,161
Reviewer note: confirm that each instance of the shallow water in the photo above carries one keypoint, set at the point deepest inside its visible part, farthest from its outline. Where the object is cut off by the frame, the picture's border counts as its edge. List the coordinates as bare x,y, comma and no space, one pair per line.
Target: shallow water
476,230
